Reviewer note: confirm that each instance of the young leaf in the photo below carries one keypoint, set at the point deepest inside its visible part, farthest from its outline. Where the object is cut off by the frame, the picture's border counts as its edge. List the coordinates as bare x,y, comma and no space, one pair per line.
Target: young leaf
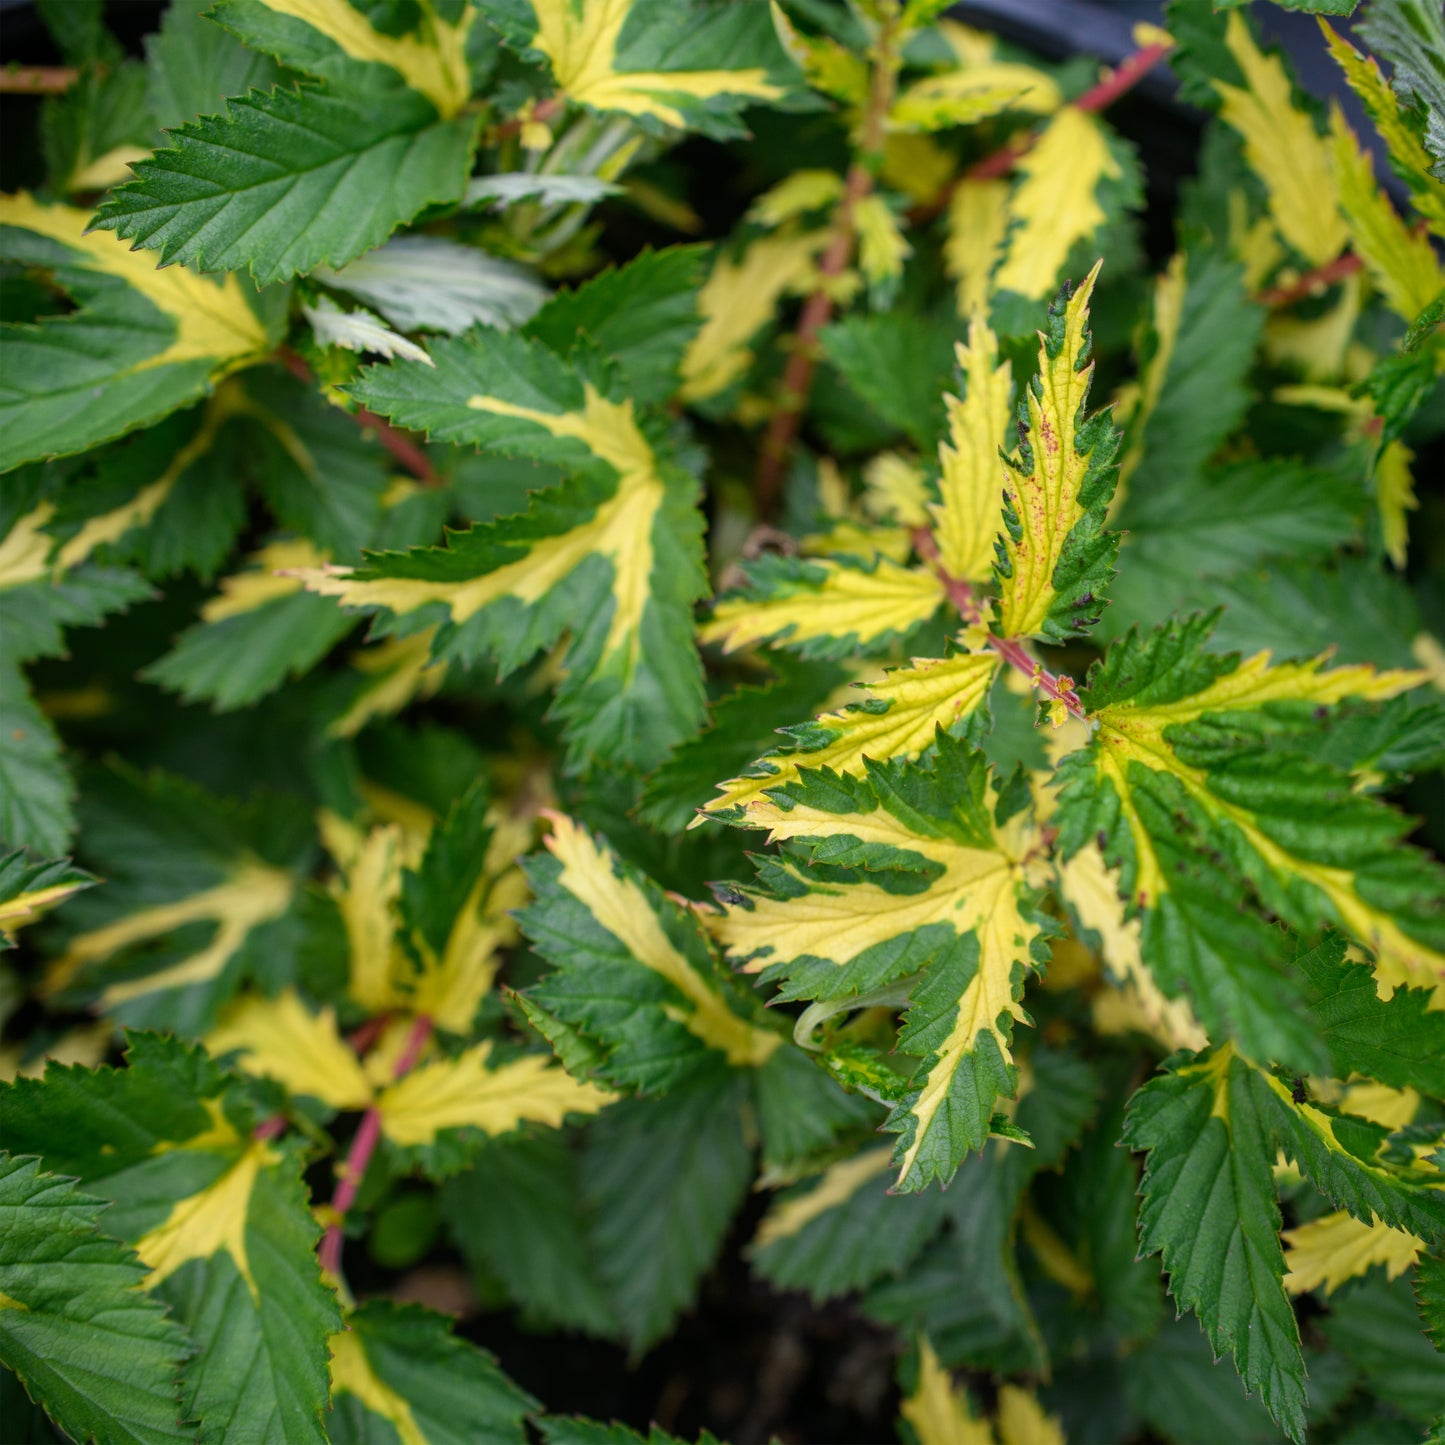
1054,558
399,1368
253,188
219,1218
142,343
656,62
614,554
75,1324
29,890
634,971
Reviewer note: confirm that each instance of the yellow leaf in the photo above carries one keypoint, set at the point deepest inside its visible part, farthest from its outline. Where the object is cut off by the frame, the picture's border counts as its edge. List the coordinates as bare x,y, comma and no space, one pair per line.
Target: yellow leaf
1401,262
25,548
1046,497
1023,1421
620,530
1395,499
24,908
973,93
1056,204
465,1093
836,1185
978,222
831,599
273,573
253,894
1409,155
398,672
1317,346
827,66
894,490
280,1038
103,171
579,38
882,247
939,1411
1336,1247
212,320
432,58
737,300
1282,147
896,718
917,165
214,1218
589,874
366,894
449,989
795,195
968,516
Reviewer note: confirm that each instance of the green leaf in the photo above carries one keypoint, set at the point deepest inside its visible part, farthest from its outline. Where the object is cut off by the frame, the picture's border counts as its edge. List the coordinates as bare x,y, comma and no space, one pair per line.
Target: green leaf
29,889
642,316
1223,521
743,727
843,1230
399,1368
901,365
221,1219
613,554
572,1430
75,1324
1210,1209
1374,1325
198,898
1182,762
656,61
35,785
1399,1042
92,133
254,188
192,65
662,1179
141,343
517,1216
634,971
1430,1297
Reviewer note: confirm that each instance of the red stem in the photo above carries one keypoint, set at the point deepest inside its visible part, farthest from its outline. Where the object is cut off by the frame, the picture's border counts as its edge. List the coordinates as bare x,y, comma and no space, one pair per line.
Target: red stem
398,443
358,1157
270,1127
1132,69
1010,649
37,79
1312,282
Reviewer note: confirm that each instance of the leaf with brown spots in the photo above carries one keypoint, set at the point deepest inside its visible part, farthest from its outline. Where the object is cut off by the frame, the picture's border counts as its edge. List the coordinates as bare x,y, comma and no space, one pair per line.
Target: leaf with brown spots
1054,557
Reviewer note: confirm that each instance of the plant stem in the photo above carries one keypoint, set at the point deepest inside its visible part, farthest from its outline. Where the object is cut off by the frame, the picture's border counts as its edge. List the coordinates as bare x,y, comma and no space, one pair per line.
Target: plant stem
797,382
363,1146
1010,649
1312,282
398,443
37,79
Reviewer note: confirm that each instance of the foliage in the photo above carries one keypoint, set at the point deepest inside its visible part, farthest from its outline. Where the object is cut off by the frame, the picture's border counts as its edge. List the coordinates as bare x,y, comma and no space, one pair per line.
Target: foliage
428,566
